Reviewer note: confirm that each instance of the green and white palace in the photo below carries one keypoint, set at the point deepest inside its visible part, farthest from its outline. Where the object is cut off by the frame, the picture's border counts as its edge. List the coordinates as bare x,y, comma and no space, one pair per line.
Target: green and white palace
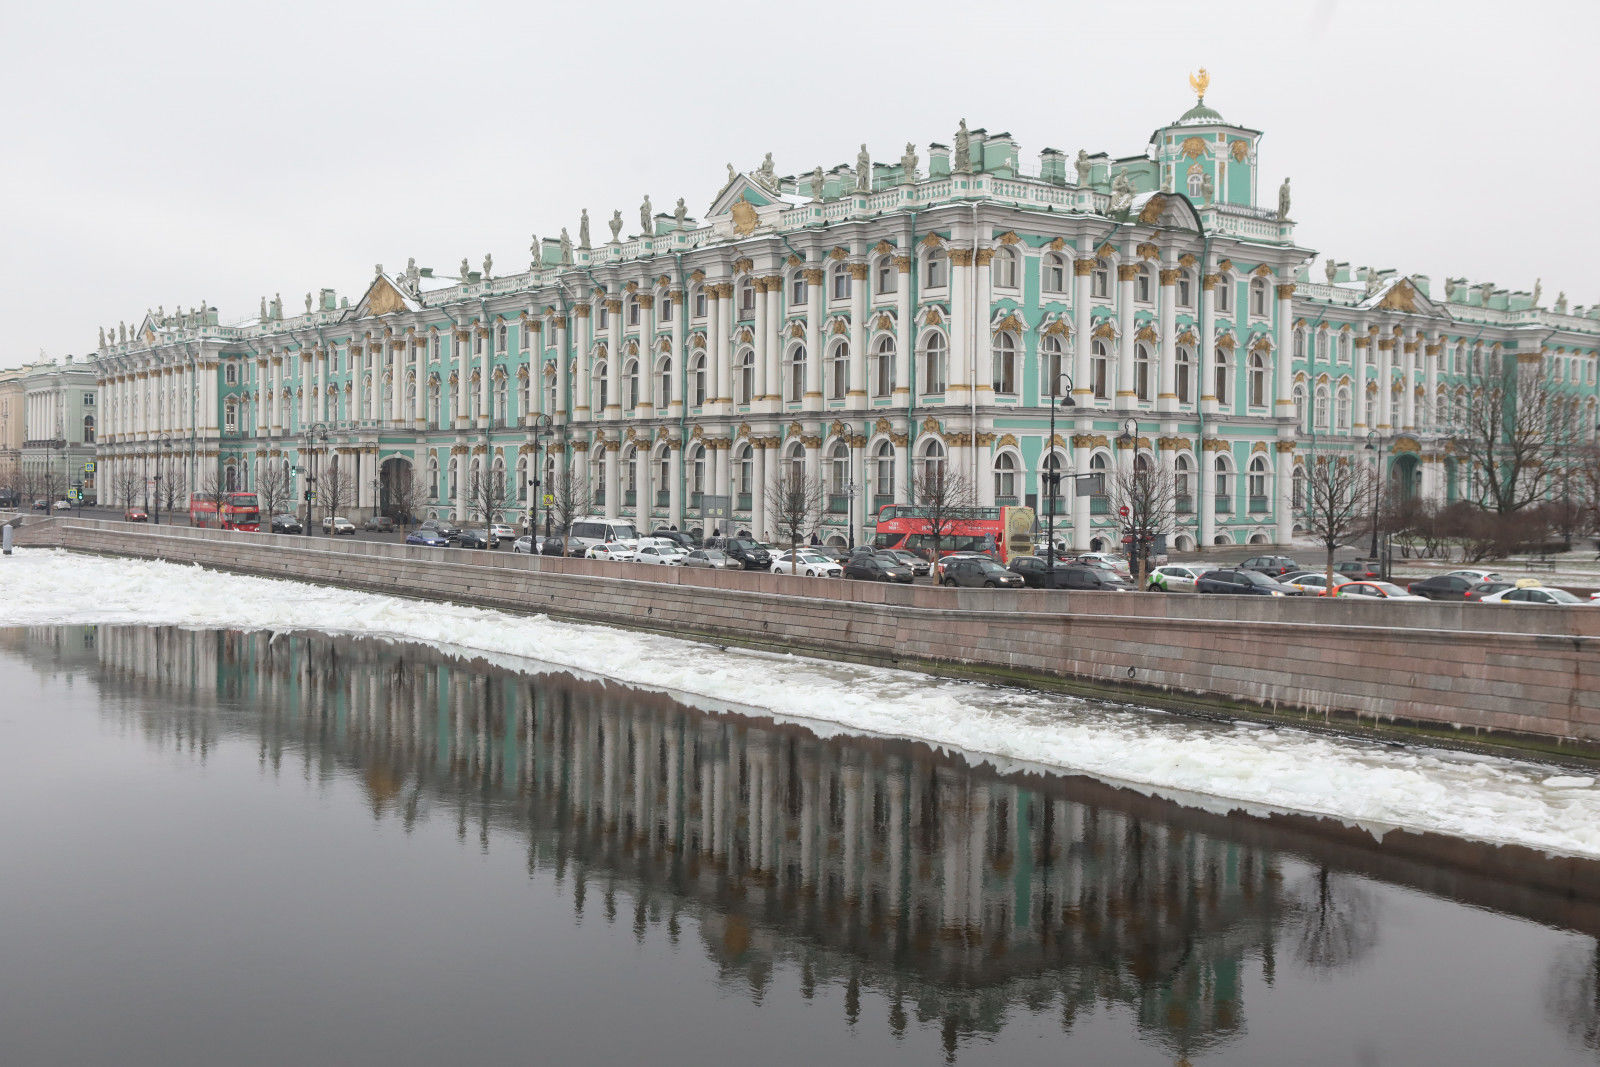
860,322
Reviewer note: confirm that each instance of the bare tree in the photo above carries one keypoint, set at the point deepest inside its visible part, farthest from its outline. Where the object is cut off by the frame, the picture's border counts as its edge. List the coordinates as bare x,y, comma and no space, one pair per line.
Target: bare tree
487,494
570,497
1338,502
1509,432
405,497
794,503
127,487
272,490
172,485
208,483
335,488
943,496
1150,499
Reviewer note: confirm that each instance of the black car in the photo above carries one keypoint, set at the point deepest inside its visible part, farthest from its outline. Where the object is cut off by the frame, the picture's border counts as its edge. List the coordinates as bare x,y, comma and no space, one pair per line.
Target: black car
1240,581
379,523
1271,566
1037,574
875,568
443,529
1360,570
684,540
553,546
1445,587
750,554
475,539
286,524
980,571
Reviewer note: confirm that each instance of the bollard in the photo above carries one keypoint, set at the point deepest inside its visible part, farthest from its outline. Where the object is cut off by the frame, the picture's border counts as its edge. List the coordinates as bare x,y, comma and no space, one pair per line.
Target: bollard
6,535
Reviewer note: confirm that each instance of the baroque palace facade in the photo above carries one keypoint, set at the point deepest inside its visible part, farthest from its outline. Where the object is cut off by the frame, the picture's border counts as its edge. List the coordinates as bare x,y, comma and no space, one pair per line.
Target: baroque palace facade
857,324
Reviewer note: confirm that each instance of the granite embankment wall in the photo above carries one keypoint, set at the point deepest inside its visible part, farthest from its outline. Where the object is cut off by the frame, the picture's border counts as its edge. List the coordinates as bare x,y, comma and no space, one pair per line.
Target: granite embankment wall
1490,673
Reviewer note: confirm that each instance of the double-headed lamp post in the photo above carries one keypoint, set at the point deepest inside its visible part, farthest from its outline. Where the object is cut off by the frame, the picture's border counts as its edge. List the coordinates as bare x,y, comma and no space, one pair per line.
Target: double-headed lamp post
541,431
163,442
1060,396
1372,446
317,431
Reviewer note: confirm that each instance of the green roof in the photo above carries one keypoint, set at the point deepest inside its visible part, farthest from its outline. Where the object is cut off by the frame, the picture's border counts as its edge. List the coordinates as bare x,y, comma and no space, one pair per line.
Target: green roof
1199,115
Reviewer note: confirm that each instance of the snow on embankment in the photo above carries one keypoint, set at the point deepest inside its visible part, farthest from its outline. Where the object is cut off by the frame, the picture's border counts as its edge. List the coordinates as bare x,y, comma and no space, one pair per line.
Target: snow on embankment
1481,798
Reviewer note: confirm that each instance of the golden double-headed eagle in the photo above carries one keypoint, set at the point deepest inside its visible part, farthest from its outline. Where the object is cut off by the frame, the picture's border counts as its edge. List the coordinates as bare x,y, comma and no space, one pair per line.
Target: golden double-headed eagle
1198,81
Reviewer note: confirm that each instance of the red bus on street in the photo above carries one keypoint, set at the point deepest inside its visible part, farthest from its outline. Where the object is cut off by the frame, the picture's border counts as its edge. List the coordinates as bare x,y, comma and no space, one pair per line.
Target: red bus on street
237,511
1003,532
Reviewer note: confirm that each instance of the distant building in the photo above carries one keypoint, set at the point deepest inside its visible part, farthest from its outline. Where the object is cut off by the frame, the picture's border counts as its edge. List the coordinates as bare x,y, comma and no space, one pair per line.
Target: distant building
11,427
59,418
861,324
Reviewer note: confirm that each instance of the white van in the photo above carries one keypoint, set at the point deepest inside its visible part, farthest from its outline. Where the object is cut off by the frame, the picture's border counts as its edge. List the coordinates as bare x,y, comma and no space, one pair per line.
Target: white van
591,530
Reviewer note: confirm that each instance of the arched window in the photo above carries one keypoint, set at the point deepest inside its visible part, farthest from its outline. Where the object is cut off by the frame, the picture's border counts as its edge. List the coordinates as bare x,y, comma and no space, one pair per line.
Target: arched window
1298,489
1319,417
1183,373
747,296
797,289
1144,285
839,371
1258,297
1224,376
1004,268
746,389
1196,185
1050,365
663,461
1141,370
433,477
633,310
631,373
665,302
1183,484
1054,493
433,402
1224,469
932,462
230,421
883,367
663,384
1343,412
1300,409
521,488
698,302
838,475
630,475
1185,289
455,478
1053,273
1222,296
841,282
1258,380
938,272
230,374
1099,365
601,393
1100,281
697,474
498,473
1005,479
697,380
795,376
797,465
502,400
1257,488
1005,364
743,481
883,473
886,276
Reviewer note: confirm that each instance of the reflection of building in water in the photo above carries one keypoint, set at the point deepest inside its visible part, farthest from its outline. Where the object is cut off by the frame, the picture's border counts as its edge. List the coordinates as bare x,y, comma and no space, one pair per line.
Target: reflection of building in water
956,893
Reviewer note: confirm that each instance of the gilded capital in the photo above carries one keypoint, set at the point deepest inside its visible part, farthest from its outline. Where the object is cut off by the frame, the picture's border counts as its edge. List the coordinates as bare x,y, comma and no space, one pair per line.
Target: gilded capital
902,264
1170,277
1082,268
813,275
961,257
1127,272
646,301
1286,291
614,306
859,272
984,257
581,311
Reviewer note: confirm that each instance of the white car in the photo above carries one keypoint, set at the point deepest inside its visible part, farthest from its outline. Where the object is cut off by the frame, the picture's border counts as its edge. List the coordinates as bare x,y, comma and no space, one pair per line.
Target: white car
1537,594
661,555
501,532
63,505
615,551
1174,578
1313,583
1114,562
1473,575
338,524
810,564
1377,590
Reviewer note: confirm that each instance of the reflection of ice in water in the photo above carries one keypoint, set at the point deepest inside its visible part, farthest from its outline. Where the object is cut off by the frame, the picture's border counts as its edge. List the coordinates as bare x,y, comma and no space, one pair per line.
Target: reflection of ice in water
1572,995
1373,785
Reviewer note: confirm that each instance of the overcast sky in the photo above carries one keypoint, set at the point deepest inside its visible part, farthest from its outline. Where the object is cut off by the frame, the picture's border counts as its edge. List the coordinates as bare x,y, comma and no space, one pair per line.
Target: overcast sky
169,153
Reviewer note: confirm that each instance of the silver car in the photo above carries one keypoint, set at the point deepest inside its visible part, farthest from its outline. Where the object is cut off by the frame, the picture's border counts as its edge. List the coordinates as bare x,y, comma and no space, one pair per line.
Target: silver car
713,559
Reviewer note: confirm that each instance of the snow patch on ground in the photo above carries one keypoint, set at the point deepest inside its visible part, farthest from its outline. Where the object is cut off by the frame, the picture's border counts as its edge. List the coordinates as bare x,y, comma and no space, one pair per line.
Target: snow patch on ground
1219,767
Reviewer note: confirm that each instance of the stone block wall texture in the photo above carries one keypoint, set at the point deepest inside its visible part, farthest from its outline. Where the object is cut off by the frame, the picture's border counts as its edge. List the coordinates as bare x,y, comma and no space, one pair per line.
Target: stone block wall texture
1473,668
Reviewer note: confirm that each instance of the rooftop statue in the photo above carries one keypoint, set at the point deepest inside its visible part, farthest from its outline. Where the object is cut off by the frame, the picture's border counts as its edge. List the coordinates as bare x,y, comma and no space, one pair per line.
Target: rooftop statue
1449,288
1330,270
1485,291
1208,189
1538,290
908,164
583,232
963,164
1283,201
1084,167
533,252
122,332
615,222
680,213
102,337
1374,280
263,309
277,307
466,268
647,224
767,174
488,264
1121,192
732,174
1561,303
816,183
566,244
308,303
863,171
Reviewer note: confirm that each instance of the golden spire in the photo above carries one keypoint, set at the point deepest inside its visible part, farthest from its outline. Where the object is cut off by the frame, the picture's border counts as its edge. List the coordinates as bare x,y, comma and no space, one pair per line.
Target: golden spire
1198,81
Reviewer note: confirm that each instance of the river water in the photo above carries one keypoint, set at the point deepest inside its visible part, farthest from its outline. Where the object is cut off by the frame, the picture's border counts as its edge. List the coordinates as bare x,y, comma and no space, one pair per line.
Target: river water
225,847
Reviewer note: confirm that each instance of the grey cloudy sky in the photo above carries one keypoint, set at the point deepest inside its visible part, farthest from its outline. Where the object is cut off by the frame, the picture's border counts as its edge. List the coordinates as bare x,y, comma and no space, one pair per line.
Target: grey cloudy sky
168,153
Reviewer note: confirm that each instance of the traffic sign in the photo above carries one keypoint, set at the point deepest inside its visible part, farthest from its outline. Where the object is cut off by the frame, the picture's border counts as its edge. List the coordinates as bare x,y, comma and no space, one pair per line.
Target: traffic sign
1123,511
88,468
549,498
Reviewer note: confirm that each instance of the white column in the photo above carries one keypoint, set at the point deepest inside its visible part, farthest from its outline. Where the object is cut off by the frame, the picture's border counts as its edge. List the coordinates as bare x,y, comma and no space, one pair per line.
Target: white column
1206,356
714,331
486,375
905,331
758,487
675,483
723,358
982,369
1284,354
1360,347
419,366
962,308
613,363
771,362
263,392
373,367
1080,504
814,355
680,316
1385,383
463,371
647,355
1167,388
765,309
1205,506
1082,270
613,462
1430,399
1126,273
584,344
1408,383
857,397
564,403
533,401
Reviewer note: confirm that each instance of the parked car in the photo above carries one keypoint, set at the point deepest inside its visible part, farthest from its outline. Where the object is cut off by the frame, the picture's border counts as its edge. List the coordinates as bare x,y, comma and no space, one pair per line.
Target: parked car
526,544
446,530
833,552
1236,580
942,562
379,524
1312,583
1475,575
338,524
502,532
63,505
1483,589
1174,578
1271,566
804,561
711,559
553,546
135,515
752,555
430,538
1377,590
877,567
615,551
1036,572
1358,570
919,566
1539,595
1115,562
1445,587
41,505
476,539
980,571
684,540
659,552
286,524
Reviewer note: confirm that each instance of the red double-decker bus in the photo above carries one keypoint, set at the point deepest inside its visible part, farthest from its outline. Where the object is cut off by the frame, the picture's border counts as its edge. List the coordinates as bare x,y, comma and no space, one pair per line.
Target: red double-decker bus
1003,532
235,511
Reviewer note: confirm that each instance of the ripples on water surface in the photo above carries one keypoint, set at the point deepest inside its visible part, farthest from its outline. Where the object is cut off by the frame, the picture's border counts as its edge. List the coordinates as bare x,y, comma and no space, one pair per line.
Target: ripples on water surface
226,847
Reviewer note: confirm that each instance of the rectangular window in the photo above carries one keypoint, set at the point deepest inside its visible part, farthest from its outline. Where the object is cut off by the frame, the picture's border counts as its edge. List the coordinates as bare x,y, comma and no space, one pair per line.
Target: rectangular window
88,398
666,310
700,305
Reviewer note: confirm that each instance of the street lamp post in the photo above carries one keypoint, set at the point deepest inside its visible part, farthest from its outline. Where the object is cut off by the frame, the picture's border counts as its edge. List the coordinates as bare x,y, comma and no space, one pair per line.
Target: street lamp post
541,430
317,431
163,441
1372,446
1059,397
1129,438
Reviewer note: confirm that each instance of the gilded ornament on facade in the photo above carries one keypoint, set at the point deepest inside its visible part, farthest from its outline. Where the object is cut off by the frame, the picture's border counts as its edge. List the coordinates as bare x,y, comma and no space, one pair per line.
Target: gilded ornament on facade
744,216
1147,333
1199,81
1148,250
1240,150
1105,330
1192,148
1105,251
1284,446
1151,213
1009,238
